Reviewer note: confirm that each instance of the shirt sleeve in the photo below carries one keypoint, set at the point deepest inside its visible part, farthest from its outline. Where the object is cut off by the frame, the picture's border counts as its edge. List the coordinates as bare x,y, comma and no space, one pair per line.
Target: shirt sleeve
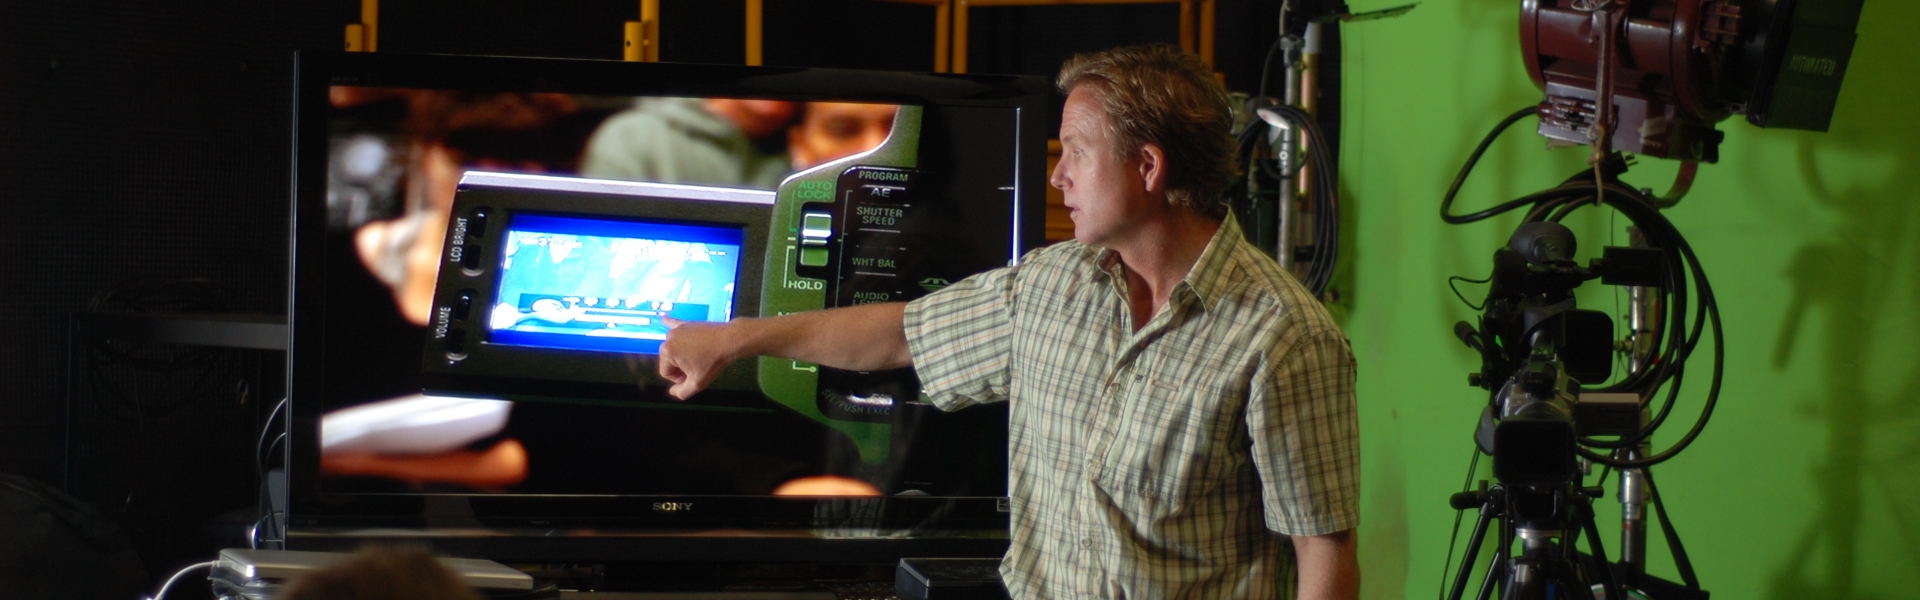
960,339
1306,444
625,147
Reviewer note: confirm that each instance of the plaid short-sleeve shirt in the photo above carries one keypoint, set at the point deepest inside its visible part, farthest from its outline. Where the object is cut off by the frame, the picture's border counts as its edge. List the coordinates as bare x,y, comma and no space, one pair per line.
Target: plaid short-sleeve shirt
1152,464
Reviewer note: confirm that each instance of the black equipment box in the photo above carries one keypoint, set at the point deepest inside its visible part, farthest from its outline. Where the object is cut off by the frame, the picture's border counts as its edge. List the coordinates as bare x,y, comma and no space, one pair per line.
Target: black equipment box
948,579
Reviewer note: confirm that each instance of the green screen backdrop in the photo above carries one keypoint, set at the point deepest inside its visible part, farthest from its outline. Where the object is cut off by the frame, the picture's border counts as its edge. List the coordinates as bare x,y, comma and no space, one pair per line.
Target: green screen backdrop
1806,484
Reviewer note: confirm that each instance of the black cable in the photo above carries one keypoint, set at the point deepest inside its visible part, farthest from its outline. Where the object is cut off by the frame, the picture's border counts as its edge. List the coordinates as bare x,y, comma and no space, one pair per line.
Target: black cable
1679,551
1326,210
1463,297
253,533
265,498
269,449
1446,204
259,463
1266,66
1664,236
1668,369
1326,229
1707,313
1314,280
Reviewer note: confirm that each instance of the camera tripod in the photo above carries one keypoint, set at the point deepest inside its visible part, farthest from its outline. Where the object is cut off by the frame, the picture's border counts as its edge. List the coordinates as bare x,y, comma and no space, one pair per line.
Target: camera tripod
1548,522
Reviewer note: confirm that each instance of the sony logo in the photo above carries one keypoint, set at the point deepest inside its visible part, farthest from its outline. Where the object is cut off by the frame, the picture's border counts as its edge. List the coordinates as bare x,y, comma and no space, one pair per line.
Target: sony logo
673,506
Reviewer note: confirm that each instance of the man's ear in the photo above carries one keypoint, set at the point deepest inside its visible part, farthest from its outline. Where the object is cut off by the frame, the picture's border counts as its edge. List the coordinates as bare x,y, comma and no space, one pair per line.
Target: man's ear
1153,168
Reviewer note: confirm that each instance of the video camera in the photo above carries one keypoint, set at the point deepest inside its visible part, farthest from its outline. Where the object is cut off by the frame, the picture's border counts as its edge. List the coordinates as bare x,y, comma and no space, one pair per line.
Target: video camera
1537,350
1652,79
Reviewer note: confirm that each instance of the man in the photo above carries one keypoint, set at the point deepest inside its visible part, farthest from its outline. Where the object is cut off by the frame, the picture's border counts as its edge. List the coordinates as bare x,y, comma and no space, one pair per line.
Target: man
713,141
1182,420
832,130
451,133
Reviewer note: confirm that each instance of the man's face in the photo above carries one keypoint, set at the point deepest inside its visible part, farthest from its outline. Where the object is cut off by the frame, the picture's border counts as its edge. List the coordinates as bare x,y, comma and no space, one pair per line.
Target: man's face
755,118
1106,196
833,130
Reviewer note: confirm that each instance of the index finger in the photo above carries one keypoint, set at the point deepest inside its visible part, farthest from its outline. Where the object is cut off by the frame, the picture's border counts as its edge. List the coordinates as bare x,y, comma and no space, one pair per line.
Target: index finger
671,322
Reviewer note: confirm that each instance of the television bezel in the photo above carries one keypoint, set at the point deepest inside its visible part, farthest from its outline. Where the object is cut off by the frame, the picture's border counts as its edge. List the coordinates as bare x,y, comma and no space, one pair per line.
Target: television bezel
598,527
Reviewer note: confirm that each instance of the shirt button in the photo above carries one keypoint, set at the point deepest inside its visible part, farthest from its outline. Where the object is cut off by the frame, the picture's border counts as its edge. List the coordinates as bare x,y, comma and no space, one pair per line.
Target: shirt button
1086,542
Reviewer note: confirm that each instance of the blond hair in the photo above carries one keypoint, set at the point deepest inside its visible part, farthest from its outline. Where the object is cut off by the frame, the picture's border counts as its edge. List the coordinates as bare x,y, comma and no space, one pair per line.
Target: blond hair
1161,95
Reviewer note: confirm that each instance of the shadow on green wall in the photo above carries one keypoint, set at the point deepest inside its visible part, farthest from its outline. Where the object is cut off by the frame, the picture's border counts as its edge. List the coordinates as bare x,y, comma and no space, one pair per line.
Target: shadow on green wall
1855,280
1850,280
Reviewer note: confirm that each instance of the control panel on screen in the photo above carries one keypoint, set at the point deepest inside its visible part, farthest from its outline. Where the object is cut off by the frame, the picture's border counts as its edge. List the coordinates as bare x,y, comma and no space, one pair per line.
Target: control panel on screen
563,287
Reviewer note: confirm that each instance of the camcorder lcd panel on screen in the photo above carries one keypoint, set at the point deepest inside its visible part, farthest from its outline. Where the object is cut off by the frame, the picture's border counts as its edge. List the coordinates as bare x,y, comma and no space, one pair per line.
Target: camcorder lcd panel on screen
561,288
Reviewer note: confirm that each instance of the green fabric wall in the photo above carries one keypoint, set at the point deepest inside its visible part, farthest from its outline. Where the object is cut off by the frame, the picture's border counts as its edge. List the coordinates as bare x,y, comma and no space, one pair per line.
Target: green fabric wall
1806,484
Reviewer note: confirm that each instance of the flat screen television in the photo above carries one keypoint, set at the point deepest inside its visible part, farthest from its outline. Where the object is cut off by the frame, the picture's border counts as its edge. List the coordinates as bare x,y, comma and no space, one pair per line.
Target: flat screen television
494,416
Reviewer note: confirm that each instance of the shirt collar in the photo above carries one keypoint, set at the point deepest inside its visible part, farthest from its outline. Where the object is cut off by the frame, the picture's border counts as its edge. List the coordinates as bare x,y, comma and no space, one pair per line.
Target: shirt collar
1209,272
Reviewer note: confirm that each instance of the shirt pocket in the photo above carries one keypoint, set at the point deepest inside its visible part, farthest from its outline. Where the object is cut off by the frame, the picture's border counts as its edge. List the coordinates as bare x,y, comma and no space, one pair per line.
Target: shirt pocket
1171,445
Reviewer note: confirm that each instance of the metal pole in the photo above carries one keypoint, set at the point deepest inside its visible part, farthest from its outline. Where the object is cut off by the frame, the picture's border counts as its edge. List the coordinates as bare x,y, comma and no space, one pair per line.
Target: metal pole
1644,318
1284,206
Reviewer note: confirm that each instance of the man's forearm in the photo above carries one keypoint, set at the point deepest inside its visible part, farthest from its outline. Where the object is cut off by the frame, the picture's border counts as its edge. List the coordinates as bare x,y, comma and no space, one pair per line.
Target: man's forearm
1329,566
866,337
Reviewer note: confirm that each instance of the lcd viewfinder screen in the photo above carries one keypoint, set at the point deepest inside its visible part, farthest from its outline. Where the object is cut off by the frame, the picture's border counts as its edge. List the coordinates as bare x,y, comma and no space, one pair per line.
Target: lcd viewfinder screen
605,285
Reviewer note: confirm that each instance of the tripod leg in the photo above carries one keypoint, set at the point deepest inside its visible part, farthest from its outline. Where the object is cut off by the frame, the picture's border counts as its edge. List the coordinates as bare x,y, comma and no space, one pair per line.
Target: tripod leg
1495,572
1602,570
1473,551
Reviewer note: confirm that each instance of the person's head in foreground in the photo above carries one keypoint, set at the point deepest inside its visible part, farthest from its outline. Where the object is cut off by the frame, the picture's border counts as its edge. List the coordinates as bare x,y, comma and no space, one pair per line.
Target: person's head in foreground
1145,129
832,130
382,573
